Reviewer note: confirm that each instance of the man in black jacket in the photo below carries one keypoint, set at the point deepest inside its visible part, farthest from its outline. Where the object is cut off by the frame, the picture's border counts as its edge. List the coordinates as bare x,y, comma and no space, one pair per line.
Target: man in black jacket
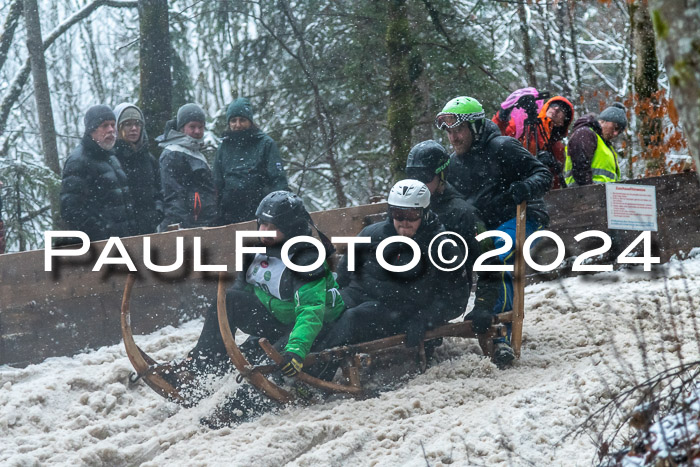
140,167
381,302
495,173
95,194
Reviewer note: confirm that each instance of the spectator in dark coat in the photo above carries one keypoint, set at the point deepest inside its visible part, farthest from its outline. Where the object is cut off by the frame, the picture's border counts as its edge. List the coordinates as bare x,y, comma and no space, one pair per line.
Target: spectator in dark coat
140,167
247,165
186,179
95,194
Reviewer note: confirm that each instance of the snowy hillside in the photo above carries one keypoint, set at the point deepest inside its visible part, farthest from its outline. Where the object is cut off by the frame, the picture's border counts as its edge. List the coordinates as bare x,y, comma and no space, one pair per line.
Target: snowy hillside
579,345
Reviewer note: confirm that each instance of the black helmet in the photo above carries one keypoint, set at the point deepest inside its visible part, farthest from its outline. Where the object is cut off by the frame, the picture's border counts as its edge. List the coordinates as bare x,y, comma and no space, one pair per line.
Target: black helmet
427,159
286,210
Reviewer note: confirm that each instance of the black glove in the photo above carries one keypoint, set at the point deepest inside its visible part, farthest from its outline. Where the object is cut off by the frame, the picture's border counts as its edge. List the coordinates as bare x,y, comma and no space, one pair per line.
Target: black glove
481,318
519,191
291,364
504,114
547,158
415,331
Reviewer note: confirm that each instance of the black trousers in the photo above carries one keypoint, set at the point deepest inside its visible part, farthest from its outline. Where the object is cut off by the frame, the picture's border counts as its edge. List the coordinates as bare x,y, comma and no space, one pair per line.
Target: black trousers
245,312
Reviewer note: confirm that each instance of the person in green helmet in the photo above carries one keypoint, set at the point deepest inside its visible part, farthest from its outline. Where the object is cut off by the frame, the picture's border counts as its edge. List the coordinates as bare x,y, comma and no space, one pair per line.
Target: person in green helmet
247,165
494,173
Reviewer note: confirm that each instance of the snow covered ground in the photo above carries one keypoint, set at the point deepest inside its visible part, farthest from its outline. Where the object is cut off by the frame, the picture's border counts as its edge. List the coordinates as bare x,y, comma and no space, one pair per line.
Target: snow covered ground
579,345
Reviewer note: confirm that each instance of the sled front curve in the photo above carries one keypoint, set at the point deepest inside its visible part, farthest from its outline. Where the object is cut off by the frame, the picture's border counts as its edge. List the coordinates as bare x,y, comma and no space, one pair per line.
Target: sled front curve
142,363
253,376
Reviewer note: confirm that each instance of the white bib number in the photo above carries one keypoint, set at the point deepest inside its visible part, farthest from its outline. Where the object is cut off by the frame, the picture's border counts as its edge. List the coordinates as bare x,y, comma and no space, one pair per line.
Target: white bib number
266,272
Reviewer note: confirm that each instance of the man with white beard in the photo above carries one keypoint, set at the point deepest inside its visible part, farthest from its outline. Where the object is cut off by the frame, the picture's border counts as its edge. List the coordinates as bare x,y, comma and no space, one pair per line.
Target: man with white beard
95,195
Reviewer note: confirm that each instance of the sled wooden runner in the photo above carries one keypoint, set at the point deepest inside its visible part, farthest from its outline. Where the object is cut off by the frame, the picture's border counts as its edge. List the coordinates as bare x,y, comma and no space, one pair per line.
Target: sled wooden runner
144,365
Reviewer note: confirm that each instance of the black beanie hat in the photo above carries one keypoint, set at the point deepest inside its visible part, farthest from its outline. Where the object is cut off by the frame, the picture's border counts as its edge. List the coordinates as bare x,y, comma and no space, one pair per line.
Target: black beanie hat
190,113
616,113
95,115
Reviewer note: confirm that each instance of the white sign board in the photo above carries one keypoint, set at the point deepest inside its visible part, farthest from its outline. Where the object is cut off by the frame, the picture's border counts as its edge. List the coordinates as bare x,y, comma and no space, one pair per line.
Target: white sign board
631,207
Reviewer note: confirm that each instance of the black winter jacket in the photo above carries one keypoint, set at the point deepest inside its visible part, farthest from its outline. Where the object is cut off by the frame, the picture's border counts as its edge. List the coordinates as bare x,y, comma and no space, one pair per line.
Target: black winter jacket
187,183
424,290
484,174
247,167
95,195
143,178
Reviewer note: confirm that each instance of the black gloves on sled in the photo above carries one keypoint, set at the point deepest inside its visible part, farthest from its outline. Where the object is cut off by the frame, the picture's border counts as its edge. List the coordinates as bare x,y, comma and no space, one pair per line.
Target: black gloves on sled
480,317
519,191
291,364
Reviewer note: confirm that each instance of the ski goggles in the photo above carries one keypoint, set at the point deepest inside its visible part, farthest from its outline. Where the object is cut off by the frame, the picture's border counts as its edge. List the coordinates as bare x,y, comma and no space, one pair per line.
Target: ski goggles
445,121
405,214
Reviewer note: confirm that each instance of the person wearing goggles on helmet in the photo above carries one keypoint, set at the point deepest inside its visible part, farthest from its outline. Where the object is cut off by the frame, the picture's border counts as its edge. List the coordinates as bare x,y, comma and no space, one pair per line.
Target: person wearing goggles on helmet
270,300
382,303
494,173
429,163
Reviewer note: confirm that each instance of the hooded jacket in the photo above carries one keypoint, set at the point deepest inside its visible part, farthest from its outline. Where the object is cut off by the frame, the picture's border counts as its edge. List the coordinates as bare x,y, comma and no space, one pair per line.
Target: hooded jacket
187,183
485,173
143,177
549,137
247,167
582,147
95,196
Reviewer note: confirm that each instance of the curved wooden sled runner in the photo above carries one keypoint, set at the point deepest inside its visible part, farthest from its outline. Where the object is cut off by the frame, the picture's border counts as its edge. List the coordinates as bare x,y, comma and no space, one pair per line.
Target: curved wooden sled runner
146,367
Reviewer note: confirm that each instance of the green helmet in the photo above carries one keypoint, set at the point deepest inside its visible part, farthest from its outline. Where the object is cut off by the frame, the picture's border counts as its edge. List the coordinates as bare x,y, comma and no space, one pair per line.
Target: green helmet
460,110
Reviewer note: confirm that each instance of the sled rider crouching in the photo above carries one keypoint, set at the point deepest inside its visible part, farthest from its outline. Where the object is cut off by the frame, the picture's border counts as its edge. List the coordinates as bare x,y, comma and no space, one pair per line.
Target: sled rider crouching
269,300
383,303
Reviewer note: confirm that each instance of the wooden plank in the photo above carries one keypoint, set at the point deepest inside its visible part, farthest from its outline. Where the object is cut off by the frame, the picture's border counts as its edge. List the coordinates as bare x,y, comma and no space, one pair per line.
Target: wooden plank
519,281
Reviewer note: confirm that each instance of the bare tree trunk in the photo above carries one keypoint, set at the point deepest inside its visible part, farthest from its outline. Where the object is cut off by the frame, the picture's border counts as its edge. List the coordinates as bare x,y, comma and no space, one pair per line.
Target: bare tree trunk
574,47
323,117
93,61
156,88
646,83
527,48
42,97
400,113
8,29
678,40
21,77
563,58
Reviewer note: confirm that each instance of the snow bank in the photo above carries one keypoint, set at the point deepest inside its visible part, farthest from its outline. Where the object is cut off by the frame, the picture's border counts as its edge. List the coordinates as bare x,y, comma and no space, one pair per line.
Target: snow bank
579,348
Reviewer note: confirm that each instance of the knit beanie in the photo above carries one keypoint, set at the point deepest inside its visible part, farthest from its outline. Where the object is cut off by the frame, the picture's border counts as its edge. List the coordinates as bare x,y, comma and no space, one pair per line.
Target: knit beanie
130,113
96,115
239,108
190,113
615,113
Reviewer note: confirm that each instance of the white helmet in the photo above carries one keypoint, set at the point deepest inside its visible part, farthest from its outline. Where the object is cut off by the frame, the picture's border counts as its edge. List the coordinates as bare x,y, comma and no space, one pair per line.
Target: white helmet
409,194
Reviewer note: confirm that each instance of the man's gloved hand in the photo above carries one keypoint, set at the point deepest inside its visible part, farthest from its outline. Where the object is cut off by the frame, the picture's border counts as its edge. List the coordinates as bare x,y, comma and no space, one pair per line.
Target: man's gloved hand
481,318
291,364
519,191
547,158
415,331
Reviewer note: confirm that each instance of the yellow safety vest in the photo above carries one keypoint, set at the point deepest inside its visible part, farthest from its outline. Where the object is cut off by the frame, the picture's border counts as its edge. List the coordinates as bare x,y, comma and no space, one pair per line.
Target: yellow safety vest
604,165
